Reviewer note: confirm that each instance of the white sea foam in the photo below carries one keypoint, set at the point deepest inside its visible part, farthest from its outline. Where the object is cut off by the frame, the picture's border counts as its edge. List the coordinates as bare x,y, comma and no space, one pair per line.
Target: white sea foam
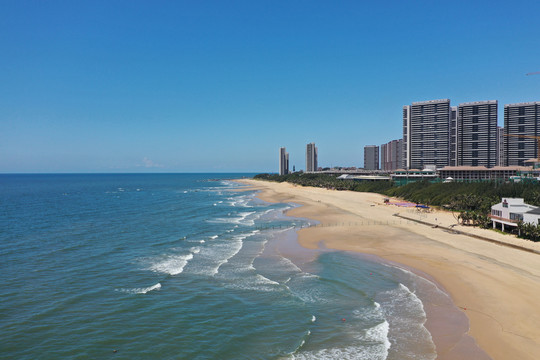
195,250
171,264
313,318
344,353
141,290
406,316
214,237
379,334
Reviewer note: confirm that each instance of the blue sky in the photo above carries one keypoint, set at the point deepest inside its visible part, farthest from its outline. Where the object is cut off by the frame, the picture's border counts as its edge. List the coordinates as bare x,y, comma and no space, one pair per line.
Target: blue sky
219,86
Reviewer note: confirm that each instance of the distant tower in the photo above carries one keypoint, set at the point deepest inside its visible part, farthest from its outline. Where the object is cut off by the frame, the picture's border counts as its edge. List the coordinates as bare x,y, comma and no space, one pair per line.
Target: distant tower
391,153
371,157
283,161
311,157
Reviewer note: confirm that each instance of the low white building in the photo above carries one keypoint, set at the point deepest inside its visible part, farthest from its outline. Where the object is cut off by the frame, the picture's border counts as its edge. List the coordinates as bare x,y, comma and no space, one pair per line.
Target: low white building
511,210
532,217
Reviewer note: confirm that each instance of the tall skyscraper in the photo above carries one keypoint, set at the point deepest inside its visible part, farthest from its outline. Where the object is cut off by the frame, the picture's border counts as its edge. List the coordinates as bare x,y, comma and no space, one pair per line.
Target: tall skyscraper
283,161
522,120
426,134
371,157
311,157
477,134
391,155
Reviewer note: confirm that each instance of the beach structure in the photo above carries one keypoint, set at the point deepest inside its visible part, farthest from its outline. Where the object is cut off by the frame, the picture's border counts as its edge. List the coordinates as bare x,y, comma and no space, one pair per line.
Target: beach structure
510,211
521,125
371,157
482,173
283,161
311,157
391,155
477,134
403,176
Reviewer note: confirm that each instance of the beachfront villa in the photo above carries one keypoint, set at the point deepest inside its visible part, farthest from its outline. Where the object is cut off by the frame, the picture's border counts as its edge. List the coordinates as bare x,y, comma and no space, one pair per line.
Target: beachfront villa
512,210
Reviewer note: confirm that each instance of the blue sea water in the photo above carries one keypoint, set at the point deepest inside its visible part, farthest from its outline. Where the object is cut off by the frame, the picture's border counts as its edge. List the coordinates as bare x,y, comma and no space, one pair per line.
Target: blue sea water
186,266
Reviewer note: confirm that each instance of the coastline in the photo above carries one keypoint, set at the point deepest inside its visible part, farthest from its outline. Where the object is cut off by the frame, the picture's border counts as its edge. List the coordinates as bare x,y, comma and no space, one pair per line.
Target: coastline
495,287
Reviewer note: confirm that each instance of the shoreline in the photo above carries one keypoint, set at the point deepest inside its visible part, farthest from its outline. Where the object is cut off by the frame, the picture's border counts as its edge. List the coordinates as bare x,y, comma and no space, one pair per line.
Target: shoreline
495,287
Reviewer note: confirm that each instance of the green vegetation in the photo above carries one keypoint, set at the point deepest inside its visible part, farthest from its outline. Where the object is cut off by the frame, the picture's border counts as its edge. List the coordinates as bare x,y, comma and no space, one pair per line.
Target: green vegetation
328,182
473,200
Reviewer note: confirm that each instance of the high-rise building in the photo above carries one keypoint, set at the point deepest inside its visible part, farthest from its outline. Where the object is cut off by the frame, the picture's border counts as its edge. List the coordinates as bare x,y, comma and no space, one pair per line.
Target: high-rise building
477,134
521,120
500,146
283,161
371,157
391,155
426,134
311,157
453,135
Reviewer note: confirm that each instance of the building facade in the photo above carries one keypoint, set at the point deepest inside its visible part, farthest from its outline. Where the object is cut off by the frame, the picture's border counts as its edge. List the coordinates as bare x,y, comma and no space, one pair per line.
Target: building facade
521,125
501,156
371,157
311,158
283,161
391,155
426,134
477,134
453,136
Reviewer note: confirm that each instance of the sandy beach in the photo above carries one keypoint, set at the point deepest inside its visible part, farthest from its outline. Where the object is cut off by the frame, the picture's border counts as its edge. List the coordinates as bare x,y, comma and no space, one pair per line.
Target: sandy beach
495,286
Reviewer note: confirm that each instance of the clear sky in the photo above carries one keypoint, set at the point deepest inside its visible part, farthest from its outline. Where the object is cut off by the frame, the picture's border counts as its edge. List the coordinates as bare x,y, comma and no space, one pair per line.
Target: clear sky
219,86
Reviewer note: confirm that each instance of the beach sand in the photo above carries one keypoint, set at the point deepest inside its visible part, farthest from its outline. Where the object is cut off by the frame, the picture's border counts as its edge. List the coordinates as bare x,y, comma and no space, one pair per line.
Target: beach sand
496,287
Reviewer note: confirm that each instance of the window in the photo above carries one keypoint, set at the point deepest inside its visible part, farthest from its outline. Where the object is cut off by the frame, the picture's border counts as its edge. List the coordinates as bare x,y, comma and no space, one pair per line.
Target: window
521,121
505,204
475,128
475,145
475,154
475,119
521,154
514,216
521,146
475,136
521,129
475,162
522,110
475,110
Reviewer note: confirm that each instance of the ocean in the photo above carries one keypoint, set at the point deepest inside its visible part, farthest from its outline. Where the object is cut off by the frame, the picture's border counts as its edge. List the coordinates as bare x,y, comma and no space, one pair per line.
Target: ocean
188,266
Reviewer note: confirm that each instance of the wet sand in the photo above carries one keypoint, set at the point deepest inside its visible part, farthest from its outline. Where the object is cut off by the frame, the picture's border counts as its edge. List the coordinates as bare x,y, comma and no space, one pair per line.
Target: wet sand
496,287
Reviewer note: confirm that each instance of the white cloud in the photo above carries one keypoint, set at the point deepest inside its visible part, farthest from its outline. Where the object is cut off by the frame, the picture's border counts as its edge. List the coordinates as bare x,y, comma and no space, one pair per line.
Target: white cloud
147,163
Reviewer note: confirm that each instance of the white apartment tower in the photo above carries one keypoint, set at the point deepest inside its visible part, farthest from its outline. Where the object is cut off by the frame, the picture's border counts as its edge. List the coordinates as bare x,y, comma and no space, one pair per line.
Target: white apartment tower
311,158
283,161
